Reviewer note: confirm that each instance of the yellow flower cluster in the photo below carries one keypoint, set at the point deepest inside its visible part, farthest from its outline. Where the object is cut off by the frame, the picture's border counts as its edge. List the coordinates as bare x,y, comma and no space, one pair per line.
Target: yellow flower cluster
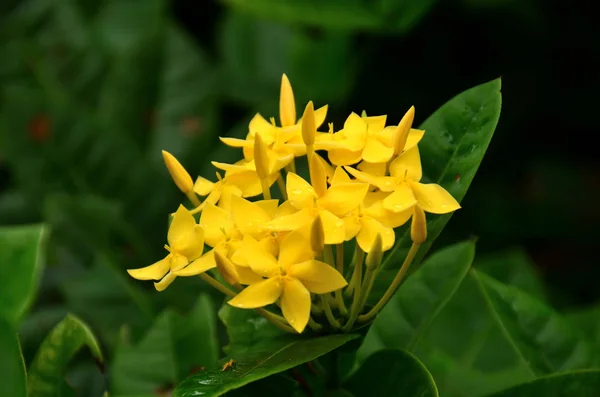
364,181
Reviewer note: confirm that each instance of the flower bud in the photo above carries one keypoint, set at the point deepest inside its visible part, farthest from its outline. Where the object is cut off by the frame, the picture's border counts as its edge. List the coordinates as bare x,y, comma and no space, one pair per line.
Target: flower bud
261,157
308,125
287,105
180,176
418,226
226,268
401,133
318,175
375,255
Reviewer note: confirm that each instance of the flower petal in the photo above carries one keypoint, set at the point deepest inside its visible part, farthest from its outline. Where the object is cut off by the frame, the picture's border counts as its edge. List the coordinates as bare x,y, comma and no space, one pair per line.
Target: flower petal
200,265
344,156
414,137
235,142
247,276
434,198
333,226
343,198
376,169
292,221
407,164
259,260
165,282
248,217
268,206
217,224
352,225
260,125
295,303
318,277
295,248
388,218
194,245
259,294
340,176
300,193
156,271
181,226
203,186
401,199
376,152
369,231
384,183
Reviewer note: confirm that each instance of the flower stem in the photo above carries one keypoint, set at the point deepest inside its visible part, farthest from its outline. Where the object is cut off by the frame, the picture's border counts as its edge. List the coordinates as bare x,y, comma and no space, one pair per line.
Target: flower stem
358,294
193,198
265,189
327,309
281,185
314,325
359,258
217,285
339,299
393,287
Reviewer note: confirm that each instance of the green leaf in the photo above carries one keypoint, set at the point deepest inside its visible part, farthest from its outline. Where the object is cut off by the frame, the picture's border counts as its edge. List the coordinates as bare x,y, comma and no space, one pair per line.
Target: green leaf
262,360
512,267
245,329
392,372
584,383
456,138
12,366
540,336
173,348
421,297
21,262
588,321
49,365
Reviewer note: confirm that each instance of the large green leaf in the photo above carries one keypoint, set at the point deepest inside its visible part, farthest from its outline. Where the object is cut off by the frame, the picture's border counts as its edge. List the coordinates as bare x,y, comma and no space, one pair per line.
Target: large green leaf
12,366
21,259
385,15
541,337
172,349
512,267
246,329
588,321
48,368
392,372
585,383
456,138
262,360
419,300
464,348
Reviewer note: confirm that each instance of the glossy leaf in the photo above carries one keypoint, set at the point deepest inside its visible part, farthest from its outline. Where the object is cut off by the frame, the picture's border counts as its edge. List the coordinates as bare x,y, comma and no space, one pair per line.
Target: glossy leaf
456,138
245,329
21,262
173,348
12,366
262,360
392,372
419,299
585,383
47,370
541,337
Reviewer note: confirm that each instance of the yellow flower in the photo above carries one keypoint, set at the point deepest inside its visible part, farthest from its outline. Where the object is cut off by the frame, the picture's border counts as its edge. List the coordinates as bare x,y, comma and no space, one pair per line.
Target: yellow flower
240,179
186,242
406,190
330,204
180,176
290,278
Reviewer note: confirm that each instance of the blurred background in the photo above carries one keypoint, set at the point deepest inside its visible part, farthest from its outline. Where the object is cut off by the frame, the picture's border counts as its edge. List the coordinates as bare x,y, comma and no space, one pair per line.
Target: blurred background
92,90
